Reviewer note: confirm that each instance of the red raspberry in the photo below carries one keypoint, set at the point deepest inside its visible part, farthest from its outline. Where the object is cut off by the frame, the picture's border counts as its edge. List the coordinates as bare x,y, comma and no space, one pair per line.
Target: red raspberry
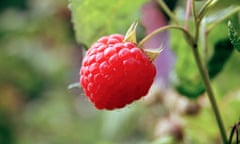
115,73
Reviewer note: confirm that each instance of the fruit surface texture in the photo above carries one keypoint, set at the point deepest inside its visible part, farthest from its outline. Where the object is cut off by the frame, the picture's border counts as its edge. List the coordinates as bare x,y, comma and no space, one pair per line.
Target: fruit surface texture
115,73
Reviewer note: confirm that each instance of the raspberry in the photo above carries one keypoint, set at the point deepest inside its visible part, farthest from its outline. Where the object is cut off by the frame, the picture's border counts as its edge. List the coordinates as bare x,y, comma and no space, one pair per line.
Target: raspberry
115,73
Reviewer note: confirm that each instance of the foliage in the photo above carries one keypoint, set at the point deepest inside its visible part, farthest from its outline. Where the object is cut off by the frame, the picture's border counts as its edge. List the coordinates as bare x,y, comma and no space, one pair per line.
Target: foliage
20,4
188,81
29,81
222,51
39,58
234,35
93,19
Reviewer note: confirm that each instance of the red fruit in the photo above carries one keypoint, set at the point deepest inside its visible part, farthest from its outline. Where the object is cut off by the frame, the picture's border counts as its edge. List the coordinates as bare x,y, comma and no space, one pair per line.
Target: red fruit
115,73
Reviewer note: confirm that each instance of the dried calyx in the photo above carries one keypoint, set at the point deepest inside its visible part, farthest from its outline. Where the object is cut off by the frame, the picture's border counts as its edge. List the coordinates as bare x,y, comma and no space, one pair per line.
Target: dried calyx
130,36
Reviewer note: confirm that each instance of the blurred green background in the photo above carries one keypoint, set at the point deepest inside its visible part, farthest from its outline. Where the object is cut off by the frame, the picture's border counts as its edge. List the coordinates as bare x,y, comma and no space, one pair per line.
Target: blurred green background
39,58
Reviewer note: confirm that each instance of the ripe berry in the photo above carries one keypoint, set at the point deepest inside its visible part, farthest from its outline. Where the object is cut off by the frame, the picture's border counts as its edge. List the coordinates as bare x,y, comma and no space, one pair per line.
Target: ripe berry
115,73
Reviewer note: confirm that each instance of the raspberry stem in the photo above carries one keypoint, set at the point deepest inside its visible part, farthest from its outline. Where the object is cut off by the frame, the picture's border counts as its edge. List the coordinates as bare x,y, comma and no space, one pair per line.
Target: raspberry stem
188,36
193,42
203,70
167,11
206,81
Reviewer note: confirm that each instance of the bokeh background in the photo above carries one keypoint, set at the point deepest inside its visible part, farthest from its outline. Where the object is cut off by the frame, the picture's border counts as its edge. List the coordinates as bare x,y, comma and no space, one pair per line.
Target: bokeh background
40,55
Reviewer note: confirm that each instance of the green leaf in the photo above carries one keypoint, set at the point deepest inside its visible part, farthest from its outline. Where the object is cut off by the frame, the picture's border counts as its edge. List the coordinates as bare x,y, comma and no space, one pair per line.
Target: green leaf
234,35
228,79
221,4
188,80
93,19
222,51
190,87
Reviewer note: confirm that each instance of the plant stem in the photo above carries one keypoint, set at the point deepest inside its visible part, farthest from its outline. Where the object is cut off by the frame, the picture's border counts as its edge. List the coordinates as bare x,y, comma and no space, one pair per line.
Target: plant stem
167,11
234,129
203,70
204,40
161,29
197,21
209,91
206,7
192,41
187,15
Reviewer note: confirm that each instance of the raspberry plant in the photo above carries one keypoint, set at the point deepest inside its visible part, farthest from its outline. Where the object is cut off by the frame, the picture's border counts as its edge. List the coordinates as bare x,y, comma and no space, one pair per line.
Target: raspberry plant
195,32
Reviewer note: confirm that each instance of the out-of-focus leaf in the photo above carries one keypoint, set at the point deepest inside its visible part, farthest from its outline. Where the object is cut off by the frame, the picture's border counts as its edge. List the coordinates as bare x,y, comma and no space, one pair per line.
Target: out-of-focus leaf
19,73
217,5
116,123
6,129
221,4
234,36
188,81
164,140
203,127
57,116
222,51
190,87
228,79
20,4
187,78
93,19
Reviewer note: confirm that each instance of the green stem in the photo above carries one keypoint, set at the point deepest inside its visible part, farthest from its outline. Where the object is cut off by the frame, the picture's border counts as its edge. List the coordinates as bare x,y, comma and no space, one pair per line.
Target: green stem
202,68
208,5
203,71
231,135
193,9
197,21
161,29
210,93
167,11
203,38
